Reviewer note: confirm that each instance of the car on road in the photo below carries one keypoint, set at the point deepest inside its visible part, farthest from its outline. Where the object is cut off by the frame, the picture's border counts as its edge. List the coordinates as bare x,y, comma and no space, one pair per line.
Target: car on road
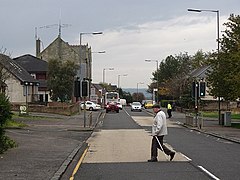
136,106
148,104
119,105
91,106
112,106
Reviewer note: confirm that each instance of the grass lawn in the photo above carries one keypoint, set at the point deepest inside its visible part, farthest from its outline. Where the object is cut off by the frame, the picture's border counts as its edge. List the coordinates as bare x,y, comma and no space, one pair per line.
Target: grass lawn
215,115
236,118
14,124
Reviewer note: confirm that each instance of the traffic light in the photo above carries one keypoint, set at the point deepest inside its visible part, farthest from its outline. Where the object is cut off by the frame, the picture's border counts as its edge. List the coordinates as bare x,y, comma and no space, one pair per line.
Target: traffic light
195,87
77,88
84,88
202,89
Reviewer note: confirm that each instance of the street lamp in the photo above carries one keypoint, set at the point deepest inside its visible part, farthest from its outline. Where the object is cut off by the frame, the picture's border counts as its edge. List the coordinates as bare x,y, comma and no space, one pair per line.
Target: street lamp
80,42
149,60
218,47
137,88
92,33
99,52
88,65
104,69
124,75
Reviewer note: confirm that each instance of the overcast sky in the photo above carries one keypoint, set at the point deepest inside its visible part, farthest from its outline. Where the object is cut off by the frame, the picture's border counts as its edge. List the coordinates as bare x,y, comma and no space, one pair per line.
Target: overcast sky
134,30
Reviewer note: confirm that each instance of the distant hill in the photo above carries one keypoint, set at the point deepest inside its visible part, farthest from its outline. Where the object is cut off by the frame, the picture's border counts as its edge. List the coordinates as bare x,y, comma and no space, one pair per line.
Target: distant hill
141,90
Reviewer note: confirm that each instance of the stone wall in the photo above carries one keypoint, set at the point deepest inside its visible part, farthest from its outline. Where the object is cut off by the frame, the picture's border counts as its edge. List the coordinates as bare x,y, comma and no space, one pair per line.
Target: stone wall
53,107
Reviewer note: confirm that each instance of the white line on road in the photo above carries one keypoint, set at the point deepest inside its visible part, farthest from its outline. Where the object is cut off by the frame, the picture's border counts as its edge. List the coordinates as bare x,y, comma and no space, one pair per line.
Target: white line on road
127,112
210,174
186,157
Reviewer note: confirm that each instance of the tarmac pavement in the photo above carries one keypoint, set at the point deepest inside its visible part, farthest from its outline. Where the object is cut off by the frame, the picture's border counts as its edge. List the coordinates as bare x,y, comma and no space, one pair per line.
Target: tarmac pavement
210,126
49,143
46,146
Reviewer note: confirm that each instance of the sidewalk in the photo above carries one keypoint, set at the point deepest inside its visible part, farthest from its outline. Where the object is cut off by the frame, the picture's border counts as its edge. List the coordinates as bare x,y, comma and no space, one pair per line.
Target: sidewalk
211,126
46,146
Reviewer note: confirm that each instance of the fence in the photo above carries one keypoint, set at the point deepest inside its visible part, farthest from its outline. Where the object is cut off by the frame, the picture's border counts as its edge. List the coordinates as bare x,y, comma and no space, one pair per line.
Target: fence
194,119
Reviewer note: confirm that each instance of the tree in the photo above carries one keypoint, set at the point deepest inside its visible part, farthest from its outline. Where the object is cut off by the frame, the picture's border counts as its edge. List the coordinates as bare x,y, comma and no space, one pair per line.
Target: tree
5,111
170,75
127,96
224,79
138,97
4,74
61,79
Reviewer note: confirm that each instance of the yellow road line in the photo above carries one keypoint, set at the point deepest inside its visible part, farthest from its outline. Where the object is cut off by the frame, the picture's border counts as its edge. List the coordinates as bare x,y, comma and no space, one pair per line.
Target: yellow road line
79,163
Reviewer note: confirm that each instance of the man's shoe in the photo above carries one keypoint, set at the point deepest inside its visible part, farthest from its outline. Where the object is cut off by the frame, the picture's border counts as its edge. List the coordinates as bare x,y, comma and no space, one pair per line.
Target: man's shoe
152,160
172,156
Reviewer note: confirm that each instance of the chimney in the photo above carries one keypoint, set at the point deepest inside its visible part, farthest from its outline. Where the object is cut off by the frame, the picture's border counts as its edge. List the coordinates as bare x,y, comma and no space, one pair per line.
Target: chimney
38,43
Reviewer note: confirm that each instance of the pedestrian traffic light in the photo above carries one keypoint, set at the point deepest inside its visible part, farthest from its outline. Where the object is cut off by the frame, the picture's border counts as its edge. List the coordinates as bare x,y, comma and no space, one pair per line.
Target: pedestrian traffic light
84,88
77,88
195,89
202,89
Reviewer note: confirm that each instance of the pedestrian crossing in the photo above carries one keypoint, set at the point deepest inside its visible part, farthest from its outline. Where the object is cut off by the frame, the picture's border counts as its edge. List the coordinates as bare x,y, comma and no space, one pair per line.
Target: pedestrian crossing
125,145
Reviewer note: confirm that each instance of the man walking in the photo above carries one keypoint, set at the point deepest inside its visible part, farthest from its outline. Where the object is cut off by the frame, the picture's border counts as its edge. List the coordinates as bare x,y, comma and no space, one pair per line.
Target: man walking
169,110
159,130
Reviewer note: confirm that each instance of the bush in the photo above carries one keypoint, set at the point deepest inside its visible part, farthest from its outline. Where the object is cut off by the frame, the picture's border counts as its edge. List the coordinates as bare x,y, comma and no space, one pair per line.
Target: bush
5,142
5,114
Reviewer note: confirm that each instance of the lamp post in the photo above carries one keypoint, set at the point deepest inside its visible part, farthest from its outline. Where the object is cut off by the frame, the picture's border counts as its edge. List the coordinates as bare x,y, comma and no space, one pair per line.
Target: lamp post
104,69
80,42
149,60
124,75
218,48
96,52
92,33
137,88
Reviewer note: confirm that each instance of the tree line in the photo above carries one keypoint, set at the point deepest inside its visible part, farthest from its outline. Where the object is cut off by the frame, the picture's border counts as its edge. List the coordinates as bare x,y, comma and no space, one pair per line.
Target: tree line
223,79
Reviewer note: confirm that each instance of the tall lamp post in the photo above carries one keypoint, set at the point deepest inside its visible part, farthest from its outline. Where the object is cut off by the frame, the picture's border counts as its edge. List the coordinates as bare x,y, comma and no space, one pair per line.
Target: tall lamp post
137,88
97,52
92,33
218,48
88,65
124,75
149,60
104,69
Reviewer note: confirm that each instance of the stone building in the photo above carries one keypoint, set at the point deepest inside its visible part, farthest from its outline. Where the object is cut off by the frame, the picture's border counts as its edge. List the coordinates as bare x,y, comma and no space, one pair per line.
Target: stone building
17,83
59,49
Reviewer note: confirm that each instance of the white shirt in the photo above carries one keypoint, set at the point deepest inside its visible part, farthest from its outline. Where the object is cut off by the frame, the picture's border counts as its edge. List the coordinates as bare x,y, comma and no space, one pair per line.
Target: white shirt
159,127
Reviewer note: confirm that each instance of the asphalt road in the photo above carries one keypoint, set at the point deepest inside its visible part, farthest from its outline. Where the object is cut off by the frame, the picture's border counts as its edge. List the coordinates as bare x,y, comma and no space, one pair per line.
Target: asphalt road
43,146
115,155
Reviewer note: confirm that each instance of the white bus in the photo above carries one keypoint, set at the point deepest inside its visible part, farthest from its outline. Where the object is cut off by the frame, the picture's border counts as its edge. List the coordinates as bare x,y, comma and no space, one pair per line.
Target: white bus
111,97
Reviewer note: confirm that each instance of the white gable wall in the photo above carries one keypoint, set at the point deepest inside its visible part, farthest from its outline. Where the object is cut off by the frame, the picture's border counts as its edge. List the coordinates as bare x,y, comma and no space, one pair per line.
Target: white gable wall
16,91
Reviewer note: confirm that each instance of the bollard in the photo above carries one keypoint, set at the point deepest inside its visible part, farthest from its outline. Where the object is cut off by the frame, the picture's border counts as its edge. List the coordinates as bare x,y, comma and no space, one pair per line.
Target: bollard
90,119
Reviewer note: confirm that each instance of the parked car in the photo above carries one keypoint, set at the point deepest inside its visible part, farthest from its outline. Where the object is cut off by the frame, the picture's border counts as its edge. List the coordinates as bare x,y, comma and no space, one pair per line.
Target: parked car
119,105
113,107
91,106
136,106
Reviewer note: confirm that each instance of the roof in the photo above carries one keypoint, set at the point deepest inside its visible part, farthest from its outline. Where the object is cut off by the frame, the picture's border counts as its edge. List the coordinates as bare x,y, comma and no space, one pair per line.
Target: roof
32,63
58,41
97,86
201,72
16,70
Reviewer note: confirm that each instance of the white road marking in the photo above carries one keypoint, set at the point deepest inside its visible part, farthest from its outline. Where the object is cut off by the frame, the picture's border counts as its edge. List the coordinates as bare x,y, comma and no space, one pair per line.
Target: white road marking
122,145
210,174
186,157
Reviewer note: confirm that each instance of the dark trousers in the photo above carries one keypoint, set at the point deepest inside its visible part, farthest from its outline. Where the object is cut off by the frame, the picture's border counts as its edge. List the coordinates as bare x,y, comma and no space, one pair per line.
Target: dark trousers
155,147
169,111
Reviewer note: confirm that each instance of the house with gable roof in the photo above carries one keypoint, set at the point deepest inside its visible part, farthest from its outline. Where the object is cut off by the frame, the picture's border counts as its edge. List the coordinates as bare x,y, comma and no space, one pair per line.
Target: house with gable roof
38,69
18,84
201,74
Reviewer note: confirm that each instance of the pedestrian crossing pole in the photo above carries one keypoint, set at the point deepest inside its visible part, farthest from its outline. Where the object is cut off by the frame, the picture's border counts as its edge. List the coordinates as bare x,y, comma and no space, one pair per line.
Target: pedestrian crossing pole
196,101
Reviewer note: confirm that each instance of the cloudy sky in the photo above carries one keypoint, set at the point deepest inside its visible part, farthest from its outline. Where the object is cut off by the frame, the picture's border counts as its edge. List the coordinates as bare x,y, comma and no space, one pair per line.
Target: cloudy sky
134,30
